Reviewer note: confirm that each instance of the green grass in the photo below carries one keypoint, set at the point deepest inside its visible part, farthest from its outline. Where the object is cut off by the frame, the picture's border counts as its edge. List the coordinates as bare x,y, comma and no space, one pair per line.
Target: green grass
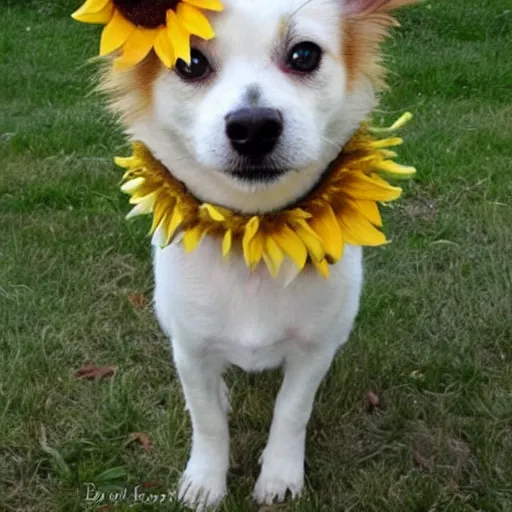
433,338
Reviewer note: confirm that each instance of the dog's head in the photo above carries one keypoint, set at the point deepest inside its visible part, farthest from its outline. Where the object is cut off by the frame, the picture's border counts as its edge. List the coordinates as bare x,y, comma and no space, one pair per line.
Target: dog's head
262,109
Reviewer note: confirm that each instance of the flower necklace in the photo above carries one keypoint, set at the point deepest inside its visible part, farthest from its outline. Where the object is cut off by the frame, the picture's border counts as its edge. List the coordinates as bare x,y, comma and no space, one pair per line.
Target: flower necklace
342,208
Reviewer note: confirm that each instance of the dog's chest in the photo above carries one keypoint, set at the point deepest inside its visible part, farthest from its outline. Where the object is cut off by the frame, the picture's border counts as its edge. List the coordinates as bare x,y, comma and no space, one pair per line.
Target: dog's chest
248,317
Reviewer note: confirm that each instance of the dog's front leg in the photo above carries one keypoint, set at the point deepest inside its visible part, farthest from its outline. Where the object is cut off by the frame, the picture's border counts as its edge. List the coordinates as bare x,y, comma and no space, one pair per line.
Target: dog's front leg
282,460
204,481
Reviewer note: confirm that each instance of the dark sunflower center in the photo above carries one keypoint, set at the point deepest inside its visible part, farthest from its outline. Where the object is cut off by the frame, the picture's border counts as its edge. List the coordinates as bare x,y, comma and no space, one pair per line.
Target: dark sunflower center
145,13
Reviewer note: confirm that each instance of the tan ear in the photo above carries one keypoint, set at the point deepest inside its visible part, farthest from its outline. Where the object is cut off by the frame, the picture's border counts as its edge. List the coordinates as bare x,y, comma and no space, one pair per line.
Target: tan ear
366,24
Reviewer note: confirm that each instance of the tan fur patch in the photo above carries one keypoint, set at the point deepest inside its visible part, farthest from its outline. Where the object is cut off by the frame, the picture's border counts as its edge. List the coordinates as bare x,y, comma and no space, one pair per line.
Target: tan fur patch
130,92
363,35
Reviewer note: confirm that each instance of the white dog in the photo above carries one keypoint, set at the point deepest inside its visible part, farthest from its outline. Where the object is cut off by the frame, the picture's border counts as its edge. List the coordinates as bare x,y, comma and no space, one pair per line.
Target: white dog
290,97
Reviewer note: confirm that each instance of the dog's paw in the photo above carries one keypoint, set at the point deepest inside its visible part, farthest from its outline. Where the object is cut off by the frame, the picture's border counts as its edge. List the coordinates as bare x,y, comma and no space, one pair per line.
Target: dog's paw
202,488
278,475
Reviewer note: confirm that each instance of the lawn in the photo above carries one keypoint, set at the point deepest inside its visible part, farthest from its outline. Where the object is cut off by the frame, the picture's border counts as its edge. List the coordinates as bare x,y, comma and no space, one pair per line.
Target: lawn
433,339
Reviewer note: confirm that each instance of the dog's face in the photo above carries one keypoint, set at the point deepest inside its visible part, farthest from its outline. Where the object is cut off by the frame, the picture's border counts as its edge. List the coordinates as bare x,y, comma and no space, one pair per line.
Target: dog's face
263,108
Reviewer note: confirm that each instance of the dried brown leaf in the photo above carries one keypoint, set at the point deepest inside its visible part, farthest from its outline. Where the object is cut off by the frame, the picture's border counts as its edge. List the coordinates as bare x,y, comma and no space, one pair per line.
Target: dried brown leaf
138,300
88,371
372,401
142,439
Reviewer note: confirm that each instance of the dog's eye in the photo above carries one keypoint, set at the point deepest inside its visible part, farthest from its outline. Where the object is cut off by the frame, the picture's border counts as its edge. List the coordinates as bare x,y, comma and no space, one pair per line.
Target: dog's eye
304,57
198,68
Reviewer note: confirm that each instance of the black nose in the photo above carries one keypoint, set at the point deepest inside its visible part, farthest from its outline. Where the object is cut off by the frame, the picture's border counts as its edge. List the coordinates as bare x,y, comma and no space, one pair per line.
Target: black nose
254,131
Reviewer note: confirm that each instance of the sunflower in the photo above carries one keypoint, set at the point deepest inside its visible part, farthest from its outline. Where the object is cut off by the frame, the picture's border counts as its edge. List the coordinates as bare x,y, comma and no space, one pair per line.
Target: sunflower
342,209
138,26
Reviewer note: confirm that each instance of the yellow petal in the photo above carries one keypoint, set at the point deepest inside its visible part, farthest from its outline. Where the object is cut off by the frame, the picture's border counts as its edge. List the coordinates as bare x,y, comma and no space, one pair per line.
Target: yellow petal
378,179
292,246
131,186
273,256
142,191
386,143
210,5
195,21
140,209
163,48
311,240
213,212
94,11
369,209
299,213
251,244
272,270
393,168
174,224
326,226
322,267
254,251
179,37
360,186
128,175
136,48
127,162
143,207
102,17
399,123
227,242
387,153
116,33
162,208
357,230
251,228
193,237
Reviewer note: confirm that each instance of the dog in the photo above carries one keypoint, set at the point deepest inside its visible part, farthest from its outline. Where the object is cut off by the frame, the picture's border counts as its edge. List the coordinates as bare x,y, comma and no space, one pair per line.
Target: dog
251,124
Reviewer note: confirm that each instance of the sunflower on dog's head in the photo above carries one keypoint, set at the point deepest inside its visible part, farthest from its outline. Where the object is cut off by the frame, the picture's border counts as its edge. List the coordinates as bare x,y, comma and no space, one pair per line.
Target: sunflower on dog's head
137,27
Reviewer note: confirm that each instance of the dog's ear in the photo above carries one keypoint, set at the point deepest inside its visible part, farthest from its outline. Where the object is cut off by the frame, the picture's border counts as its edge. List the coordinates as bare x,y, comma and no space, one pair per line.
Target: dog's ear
355,7
363,7
366,24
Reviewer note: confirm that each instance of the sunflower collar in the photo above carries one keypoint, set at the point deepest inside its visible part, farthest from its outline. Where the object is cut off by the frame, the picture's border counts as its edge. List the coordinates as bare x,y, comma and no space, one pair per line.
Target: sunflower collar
135,28
343,208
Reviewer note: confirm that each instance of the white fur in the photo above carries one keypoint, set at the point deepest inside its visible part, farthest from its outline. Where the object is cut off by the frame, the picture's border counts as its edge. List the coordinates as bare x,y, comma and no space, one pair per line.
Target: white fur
218,313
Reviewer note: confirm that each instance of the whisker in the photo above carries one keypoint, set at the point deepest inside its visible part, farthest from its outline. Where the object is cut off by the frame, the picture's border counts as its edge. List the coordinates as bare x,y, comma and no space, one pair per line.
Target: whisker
182,159
301,6
329,141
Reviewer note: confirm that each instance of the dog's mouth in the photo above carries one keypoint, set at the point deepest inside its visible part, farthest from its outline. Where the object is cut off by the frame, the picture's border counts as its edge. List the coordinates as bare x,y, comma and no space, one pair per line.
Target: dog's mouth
257,174
254,170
